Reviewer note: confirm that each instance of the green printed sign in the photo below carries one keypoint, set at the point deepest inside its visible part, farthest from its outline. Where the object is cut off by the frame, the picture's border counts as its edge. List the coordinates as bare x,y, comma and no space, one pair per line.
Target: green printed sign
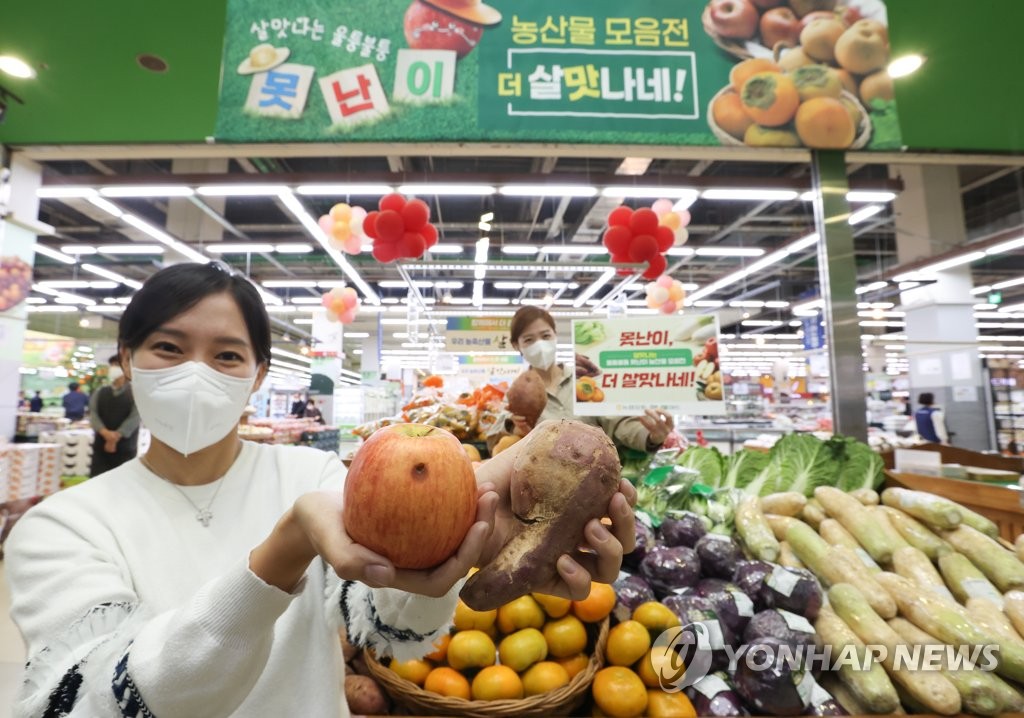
590,71
478,334
646,359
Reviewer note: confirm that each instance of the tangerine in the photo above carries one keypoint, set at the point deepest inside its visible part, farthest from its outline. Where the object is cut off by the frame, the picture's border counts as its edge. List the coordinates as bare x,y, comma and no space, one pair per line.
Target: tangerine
467,619
415,670
447,681
440,649
574,664
619,692
656,617
543,677
727,109
597,605
523,612
661,666
522,649
471,649
669,705
497,683
628,642
566,636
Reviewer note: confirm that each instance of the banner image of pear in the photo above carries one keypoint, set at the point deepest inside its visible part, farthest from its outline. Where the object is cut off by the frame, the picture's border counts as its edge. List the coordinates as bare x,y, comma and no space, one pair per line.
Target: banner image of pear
624,366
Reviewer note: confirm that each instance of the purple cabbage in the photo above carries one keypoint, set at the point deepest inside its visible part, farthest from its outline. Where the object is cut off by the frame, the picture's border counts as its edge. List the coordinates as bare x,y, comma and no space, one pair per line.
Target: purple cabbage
684,529
667,568
645,541
750,577
769,682
630,592
793,589
718,555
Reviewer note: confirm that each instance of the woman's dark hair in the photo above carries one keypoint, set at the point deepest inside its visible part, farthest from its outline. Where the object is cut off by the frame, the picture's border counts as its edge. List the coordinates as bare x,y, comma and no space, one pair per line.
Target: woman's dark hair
926,399
177,289
526,316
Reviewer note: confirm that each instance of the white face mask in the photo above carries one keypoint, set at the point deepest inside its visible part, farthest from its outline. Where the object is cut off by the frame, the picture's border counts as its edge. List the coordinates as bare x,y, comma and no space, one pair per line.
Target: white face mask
540,354
189,406
115,373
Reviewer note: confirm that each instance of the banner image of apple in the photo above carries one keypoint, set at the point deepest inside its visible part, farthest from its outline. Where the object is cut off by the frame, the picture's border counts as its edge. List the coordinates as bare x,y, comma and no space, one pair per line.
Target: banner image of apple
410,495
448,24
809,73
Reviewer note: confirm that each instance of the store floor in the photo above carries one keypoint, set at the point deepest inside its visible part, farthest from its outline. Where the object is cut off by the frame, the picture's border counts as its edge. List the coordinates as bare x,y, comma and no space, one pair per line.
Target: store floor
12,651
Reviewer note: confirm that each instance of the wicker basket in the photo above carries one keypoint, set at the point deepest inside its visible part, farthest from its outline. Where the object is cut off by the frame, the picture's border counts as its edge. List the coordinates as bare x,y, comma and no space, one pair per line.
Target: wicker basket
860,141
559,702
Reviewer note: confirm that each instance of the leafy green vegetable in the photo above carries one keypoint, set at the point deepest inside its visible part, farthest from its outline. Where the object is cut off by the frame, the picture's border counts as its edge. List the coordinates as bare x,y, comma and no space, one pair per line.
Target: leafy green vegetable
742,468
708,462
862,469
589,333
766,481
805,462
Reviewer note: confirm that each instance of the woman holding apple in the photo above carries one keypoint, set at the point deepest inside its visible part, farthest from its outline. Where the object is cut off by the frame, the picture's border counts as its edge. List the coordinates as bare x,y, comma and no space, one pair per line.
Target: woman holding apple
208,577
533,335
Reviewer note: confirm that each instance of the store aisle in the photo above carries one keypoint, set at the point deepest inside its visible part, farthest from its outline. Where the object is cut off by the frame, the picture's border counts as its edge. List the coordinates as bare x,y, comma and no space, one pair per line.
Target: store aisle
12,651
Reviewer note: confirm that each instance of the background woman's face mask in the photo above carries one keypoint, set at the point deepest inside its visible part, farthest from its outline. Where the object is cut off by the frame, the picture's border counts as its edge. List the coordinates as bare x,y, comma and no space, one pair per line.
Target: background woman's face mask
190,406
540,354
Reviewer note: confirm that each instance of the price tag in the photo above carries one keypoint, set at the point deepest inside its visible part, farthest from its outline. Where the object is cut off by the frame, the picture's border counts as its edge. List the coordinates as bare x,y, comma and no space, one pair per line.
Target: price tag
796,623
980,588
805,689
717,537
715,638
744,606
711,686
783,581
865,557
819,695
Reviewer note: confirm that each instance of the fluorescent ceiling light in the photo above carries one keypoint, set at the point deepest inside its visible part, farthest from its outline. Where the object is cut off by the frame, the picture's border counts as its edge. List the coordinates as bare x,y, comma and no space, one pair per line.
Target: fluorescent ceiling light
281,309
458,300
570,250
16,67
241,190
547,190
478,293
772,304
437,188
751,195
47,308
711,303
482,245
447,284
445,249
317,190
984,307
631,192
107,274
953,262
65,192
130,249
164,238
761,323
1006,246
78,249
355,335
874,286
870,196
1004,285
594,287
748,303
290,355
508,285
241,248
306,300
289,284
401,284
293,248
776,256
681,252
330,283
864,214
729,251
146,191
35,300
905,65
519,249
106,205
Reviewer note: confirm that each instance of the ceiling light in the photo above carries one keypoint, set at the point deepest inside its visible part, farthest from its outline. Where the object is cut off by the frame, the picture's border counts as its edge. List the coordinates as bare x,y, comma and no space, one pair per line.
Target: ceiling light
508,285
35,300
164,238
289,284
631,192
458,300
65,192
547,190
711,303
874,286
106,206
130,249
870,196
747,303
355,335
865,213
62,284
241,190
751,195
52,308
435,188
146,191
16,67
306,300
478,293
370,190
445,284
1004,285
290,355
445,249
242,248
482,245
729,252
951,262
680,252
984,307
523,249
773,304
594,287
905,65
293,248
78,249
761,323
330,283
114,276
1006,246
570,250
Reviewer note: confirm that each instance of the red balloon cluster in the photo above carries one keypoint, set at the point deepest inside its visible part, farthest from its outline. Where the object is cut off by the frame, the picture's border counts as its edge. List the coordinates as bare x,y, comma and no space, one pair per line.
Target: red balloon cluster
401,229
635,237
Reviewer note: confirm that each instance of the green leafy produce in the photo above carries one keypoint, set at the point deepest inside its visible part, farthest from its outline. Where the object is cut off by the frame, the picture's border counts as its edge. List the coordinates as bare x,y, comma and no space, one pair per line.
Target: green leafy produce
805,463
767,481
742,468
664,491
589,333
708,462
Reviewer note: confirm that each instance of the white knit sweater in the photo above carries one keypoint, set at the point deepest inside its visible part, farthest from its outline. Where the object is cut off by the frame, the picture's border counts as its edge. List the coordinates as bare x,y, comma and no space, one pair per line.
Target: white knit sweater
130,607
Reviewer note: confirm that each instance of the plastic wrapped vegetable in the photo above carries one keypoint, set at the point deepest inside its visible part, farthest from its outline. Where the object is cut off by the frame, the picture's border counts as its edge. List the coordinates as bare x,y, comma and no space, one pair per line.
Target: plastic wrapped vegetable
783,626
683,529
778,689
630,592
718,555
733,608
667,568
750,577
645,541
714,696
795,590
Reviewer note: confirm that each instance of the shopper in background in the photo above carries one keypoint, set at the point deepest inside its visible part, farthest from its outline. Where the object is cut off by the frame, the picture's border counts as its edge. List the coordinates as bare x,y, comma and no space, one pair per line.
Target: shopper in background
22,401
115,420
931,420
313,412
75,402
35,404
208,577
298,409
533,335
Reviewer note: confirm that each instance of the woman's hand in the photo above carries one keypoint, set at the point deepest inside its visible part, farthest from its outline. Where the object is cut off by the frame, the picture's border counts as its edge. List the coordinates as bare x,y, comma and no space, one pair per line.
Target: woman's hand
599,556
314,527
658,424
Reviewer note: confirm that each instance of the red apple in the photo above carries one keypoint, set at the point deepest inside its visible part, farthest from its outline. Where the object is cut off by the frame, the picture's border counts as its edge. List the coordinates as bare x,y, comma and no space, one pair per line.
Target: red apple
410,495
736,19
780,25
427,28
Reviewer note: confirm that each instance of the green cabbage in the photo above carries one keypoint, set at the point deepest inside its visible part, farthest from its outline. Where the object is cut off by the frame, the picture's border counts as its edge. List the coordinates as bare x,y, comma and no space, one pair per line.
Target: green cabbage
708,462
742,468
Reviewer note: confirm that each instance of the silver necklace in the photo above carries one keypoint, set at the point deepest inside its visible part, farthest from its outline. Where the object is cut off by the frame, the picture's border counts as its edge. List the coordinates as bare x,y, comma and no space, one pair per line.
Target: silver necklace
203,515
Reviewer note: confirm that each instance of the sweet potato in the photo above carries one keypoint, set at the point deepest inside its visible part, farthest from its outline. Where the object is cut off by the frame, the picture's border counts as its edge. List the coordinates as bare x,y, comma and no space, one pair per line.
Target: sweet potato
564,475
528,396
364,696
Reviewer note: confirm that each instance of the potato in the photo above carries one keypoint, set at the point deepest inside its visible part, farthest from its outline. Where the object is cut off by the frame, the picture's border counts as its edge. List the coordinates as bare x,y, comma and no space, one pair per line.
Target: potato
364,696
564,475
528,396
348,651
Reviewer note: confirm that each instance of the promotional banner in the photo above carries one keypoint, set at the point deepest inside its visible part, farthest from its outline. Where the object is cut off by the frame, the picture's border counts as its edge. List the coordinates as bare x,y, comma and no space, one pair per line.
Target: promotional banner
646,362
478,334
490,369
786,73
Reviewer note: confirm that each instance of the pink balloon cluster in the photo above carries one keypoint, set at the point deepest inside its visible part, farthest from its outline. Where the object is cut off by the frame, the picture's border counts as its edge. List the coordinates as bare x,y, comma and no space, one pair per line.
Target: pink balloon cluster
344,227
341,304
665,294
676,221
